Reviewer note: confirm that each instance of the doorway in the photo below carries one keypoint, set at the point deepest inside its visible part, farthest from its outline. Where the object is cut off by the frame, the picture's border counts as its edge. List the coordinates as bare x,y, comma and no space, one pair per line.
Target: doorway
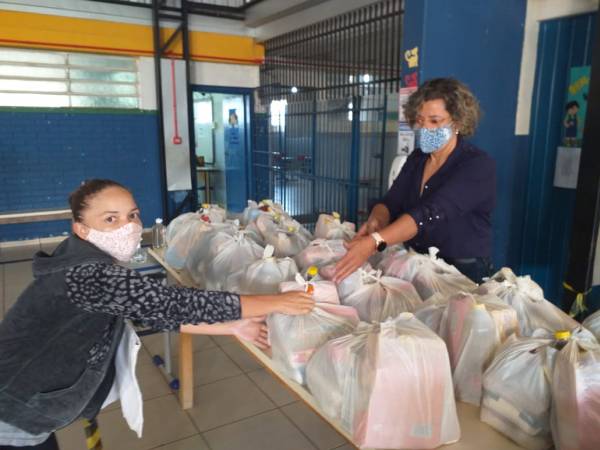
221,127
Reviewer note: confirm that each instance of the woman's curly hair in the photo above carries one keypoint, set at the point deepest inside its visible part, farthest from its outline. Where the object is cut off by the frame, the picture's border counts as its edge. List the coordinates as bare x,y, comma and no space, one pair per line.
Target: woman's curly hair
460,102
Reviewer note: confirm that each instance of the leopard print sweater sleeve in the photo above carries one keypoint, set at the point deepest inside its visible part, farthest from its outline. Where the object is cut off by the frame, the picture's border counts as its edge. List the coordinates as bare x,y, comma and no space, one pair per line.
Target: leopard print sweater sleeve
116,290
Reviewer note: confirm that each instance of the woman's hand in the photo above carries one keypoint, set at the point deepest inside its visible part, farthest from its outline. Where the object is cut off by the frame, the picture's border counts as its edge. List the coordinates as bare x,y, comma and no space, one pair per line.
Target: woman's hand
253,330
378,219
359,250
294,303
370,226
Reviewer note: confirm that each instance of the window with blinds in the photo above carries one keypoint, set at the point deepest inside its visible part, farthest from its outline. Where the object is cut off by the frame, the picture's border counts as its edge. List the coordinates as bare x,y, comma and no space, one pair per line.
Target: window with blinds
31,78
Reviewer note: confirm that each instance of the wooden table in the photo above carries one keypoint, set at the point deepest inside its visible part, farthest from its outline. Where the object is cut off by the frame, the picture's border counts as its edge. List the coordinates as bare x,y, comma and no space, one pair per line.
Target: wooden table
206,173
475,435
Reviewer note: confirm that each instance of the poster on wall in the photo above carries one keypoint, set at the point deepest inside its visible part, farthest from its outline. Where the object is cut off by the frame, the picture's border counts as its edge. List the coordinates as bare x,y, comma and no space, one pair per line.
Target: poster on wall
575,106
566,169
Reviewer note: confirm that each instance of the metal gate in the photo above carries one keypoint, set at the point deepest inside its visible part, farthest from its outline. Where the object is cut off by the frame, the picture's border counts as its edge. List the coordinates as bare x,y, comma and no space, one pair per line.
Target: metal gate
325,119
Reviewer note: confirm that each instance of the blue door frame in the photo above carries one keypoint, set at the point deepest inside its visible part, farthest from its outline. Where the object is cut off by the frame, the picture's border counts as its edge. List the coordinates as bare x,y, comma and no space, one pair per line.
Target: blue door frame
247,94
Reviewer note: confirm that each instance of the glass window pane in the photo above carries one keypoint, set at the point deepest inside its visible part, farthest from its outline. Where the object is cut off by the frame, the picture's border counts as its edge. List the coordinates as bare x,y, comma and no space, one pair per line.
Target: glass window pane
79,74
105,102
112,62
106,89
40,100
31,72
33,86
7,54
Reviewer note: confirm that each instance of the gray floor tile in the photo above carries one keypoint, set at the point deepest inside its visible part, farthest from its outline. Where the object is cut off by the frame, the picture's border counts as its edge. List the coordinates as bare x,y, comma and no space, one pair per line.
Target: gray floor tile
272,387
164,422
271,430
192,443
226,401
155,343
18,250
16,278
313,426
241,357
210,365
347,447
152,382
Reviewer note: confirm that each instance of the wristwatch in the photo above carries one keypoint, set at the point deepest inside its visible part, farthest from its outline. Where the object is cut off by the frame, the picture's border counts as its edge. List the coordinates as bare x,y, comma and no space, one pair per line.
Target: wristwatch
380,243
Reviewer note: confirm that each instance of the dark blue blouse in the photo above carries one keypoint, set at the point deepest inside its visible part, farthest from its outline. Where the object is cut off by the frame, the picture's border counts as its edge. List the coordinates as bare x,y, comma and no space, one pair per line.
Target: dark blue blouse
454,212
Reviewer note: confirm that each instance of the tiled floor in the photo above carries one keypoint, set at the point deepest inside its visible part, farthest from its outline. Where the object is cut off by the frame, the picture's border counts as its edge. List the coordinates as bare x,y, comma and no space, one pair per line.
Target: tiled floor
238,404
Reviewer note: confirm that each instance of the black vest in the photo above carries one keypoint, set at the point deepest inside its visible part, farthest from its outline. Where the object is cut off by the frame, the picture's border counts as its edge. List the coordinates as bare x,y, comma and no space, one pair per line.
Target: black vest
46,381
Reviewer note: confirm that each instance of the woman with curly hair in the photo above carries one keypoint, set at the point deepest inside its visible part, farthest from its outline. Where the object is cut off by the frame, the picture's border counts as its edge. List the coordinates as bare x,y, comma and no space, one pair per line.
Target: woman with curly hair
445,193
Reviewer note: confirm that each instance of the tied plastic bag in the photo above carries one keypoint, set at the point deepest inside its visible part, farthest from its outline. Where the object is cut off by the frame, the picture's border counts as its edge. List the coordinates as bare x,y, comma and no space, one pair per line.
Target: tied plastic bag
228,255
295,338
389,384
456,326
527,299
378,298
381,259
576,396
351,283
478,345
287,236
320,252
592,323
439,277
183,234
212,213
199,250
265,275
431,311
331,227
517,391
253,210
323,291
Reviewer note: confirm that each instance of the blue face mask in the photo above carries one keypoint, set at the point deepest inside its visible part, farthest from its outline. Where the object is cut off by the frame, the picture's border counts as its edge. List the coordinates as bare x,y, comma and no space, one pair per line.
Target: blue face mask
431,140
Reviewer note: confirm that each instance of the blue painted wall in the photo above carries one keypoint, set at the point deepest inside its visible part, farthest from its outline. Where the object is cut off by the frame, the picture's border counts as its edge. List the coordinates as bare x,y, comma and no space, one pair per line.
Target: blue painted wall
480,43
45,154
563,43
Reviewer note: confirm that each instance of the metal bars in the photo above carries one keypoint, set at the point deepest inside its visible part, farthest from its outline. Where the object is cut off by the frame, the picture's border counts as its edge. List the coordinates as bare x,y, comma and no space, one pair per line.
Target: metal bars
338,79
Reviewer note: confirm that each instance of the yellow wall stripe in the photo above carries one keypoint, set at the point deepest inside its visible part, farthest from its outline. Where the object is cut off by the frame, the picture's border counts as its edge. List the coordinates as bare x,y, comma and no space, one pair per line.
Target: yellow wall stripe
20,29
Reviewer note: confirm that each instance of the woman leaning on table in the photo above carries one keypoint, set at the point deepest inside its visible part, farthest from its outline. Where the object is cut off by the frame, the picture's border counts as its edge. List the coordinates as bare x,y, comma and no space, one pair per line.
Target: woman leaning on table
445,193
66,349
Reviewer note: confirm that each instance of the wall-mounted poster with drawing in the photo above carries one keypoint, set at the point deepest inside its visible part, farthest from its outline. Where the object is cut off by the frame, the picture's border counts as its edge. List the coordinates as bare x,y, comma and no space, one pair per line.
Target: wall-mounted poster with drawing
576,106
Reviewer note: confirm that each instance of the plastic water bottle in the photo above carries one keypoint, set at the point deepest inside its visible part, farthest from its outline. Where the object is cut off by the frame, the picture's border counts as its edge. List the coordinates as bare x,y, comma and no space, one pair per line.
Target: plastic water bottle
158,234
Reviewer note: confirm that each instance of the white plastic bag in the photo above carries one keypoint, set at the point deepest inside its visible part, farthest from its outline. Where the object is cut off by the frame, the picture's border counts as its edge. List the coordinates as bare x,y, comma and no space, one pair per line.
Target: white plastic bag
212,213
592,323
228,255
331,227
295,338
442,278
527,299
380,298
430,312
576,396
320,252
287,236
517,392
183,234
389,384
455,328
199,250
253,210
323,291
265,275
377,258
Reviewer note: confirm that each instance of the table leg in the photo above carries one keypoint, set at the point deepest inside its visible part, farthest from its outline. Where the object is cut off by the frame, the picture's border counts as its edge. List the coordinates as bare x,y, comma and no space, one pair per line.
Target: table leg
186,371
